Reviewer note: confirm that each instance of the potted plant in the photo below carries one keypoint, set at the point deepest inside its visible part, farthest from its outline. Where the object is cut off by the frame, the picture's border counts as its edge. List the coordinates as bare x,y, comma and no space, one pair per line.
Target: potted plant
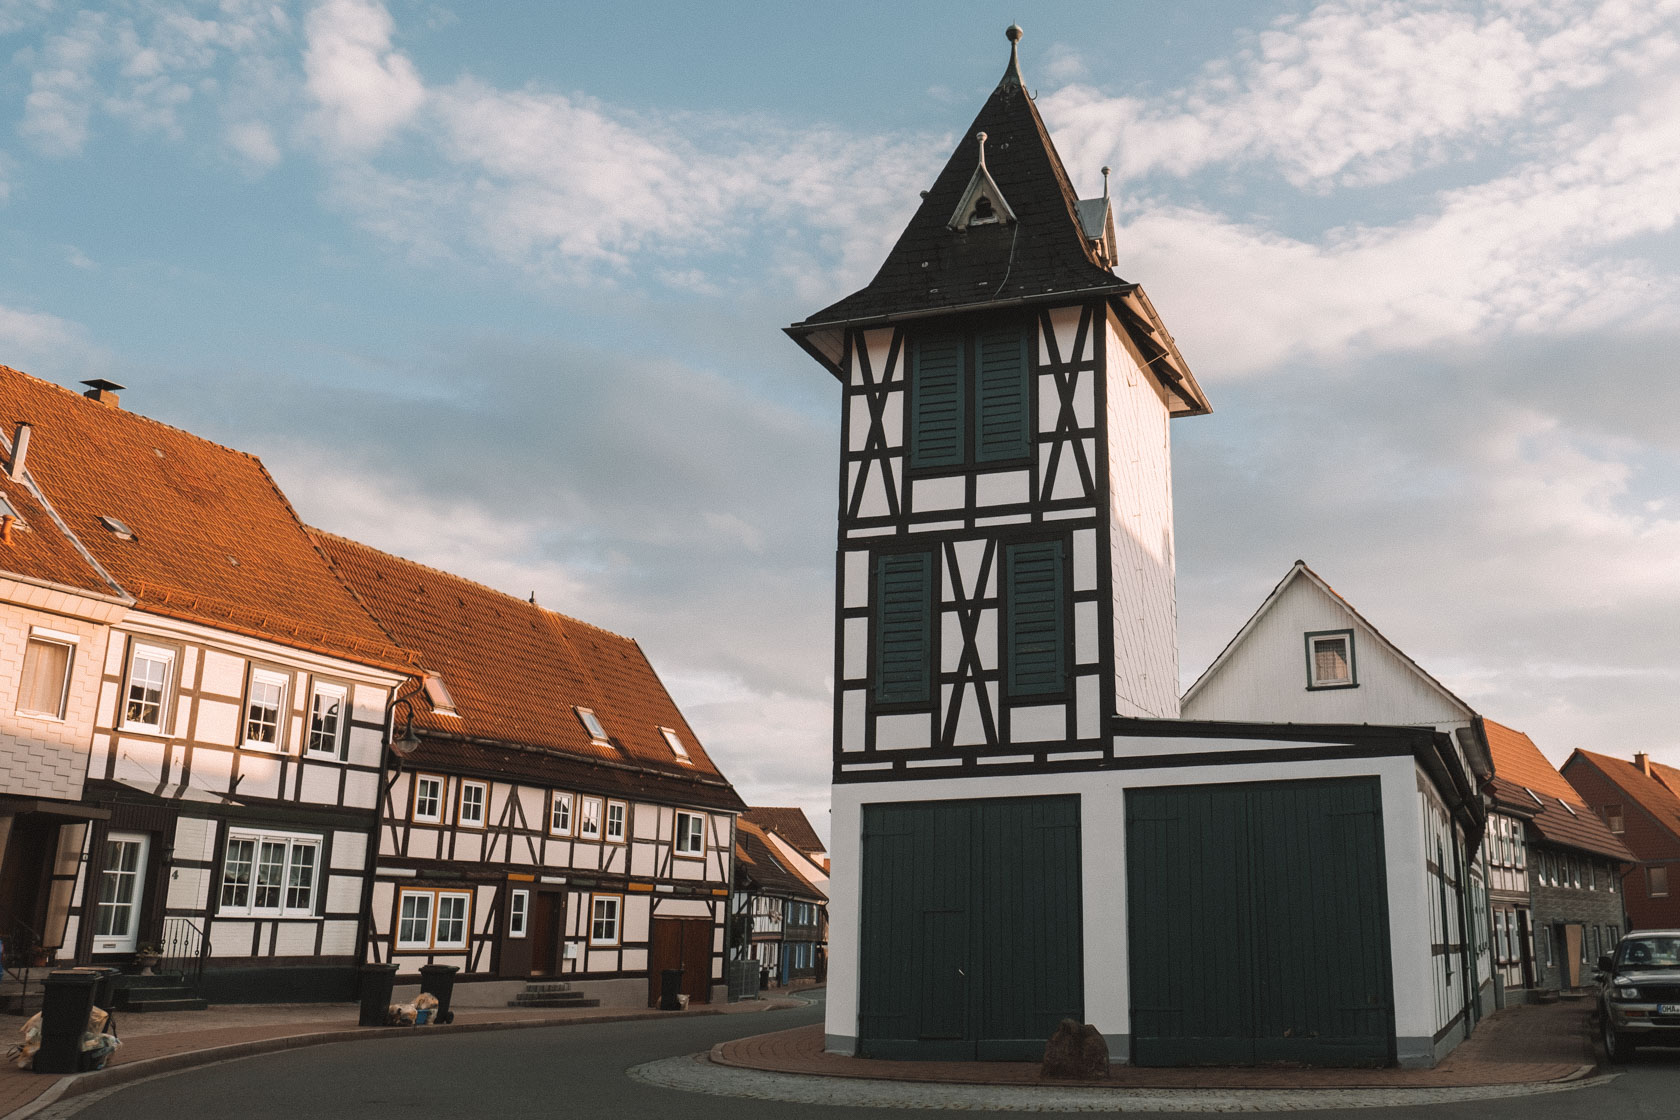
148,956
39,957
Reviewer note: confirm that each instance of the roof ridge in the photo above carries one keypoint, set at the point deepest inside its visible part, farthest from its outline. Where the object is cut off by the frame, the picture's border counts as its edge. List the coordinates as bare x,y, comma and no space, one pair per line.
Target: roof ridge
468,580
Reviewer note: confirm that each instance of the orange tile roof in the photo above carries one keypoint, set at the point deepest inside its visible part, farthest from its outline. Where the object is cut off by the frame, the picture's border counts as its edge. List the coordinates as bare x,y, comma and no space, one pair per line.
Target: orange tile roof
215,541
1667,775
38,550
788,822
769,871
516,670
1654,796
1518,766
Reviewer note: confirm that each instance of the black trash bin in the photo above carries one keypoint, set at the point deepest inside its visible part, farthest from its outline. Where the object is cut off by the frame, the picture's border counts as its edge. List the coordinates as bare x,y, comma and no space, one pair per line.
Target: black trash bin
376,982
439,980
670,986
105,990
66,1000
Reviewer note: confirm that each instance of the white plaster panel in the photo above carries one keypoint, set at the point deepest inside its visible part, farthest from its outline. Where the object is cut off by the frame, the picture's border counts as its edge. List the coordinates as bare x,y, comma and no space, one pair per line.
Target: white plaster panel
901,732
194,838
970,553
879,343
338,939
1085,632
230,939
361,789
533,803
367,703
602,960
950,642
643,862
349,851
971,730
217,722
855,648
857,578
295,939
938,493
139,762
364,746
320,783
189,888
1064,321
212,770
1049,404
1087,707
469,845
1084,548
635,917
857,424
854,707
423,843
688,869
635,960
997,488
344,893
1040,723
224,674
874,502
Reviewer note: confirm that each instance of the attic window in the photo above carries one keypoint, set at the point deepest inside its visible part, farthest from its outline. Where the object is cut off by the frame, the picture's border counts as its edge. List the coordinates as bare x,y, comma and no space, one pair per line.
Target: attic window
437,695
1614,819
1535,796
1330,659
675,744
118,529
983,214
592,724
1567,806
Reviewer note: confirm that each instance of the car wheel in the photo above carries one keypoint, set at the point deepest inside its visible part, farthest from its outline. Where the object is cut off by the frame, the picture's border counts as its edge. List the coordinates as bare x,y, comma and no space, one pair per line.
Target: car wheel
1617,1046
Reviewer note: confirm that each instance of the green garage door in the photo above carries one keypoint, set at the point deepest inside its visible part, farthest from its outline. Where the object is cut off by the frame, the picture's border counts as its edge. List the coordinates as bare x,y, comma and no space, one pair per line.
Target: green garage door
1258,923
971,940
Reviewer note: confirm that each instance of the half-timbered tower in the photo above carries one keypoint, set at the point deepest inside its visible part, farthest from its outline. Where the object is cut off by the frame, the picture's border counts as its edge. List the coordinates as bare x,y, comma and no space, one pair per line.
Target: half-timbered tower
236,709
1023,828
558,818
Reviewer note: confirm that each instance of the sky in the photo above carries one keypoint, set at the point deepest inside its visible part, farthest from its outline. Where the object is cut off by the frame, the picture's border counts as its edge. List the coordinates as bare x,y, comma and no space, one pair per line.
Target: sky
499,287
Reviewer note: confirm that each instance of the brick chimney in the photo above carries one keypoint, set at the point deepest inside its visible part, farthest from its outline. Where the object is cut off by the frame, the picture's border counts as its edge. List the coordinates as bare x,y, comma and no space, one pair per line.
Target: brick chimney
1643,761
103,391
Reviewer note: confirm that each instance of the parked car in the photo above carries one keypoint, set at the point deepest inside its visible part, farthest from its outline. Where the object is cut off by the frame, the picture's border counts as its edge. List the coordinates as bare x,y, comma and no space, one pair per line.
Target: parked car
1639,992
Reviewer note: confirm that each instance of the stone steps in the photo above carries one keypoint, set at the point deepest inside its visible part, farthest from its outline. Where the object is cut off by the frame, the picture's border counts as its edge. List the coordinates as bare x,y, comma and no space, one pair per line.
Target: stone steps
551,994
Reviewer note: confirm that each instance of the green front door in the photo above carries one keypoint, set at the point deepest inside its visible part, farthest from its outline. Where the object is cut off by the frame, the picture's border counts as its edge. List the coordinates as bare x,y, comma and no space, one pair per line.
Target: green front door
1258,921
971,937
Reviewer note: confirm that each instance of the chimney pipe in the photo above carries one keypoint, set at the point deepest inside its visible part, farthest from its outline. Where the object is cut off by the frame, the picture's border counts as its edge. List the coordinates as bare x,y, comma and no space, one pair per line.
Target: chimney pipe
103,391
1643,761
20,451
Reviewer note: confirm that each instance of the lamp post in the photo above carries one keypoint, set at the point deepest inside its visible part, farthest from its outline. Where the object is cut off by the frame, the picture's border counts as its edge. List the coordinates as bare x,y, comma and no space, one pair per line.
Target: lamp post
396,749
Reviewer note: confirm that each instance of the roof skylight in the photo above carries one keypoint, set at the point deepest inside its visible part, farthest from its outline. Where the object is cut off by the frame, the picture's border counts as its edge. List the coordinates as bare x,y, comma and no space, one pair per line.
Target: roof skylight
1568,806
118,529
675,744
592,724
1535,796
437,695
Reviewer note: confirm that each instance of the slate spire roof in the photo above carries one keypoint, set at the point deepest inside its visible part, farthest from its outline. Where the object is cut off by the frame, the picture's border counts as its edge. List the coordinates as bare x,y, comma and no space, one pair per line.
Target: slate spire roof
1044,251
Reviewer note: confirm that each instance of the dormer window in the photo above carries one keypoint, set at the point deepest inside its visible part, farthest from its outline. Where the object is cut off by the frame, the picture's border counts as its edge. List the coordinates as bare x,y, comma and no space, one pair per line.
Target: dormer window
676,745
592,724
983,213
1330,659
1614,820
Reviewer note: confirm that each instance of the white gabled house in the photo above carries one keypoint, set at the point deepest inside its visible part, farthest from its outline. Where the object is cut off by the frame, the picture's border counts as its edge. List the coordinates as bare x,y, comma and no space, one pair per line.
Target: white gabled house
1024,829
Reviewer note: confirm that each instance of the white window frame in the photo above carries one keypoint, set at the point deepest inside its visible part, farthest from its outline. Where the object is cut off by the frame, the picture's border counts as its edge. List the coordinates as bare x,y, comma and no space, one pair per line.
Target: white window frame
592,724
519,910
436,815
152,653
268,678
681,837
622,834
676,744
461,817
340,735
67,642
562,800
1651,874
434,898
1314,681
582,823
616,920
257,838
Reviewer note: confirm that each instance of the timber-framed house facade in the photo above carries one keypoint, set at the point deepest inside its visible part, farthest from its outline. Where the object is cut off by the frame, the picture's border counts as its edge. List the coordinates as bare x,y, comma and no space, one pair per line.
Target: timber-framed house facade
235,716
557,819
1017,805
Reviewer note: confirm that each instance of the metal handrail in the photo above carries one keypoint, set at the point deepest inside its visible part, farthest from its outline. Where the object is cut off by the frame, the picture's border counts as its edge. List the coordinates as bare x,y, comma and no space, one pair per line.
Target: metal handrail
183,948
21,940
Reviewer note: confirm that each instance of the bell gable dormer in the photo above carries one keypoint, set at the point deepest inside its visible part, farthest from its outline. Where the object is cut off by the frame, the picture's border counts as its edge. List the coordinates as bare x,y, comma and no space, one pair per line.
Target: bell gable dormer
982,203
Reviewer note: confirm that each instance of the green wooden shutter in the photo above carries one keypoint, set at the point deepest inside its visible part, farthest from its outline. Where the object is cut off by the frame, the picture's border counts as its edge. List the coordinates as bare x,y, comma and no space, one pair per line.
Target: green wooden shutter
937,412
1036,631
1003,415
903,627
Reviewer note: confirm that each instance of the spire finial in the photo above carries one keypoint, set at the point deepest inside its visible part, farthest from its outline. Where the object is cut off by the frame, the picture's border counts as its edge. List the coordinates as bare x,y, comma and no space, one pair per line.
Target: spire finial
980,137
1105,184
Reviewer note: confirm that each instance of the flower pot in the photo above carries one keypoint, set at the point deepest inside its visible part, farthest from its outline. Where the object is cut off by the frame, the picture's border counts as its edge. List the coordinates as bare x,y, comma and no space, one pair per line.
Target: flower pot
148,962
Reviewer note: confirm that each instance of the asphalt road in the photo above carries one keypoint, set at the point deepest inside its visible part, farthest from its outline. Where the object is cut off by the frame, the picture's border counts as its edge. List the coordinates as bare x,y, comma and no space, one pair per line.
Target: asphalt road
579,1071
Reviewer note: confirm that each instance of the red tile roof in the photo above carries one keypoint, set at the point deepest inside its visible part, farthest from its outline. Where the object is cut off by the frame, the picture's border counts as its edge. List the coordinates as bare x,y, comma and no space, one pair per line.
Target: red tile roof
788,822
769,871
38,550
215,541
517,671
1518,767
1652,795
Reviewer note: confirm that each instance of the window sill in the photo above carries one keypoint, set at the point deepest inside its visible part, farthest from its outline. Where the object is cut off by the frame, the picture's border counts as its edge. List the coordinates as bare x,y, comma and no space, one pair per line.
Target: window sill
44,717
266,916
1331,687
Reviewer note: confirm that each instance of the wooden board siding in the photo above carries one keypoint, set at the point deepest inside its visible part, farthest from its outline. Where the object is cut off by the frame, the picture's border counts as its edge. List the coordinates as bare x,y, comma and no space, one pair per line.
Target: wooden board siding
970,928
1258,924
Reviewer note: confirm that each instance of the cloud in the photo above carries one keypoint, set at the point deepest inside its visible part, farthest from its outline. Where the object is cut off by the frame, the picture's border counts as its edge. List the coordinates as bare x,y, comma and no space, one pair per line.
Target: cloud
1362,93
364,89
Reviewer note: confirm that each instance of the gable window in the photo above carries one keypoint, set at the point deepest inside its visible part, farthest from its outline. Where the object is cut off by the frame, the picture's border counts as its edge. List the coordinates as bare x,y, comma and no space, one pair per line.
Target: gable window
1613,819
1330,659
519,905
560,814
432,919
603,919
265,700
691,834
589,819
676,744
1035,618
970,399
618,816
149,670
1656,882
592,723
428,798
46,674
270,873
470,812
326,718
903,627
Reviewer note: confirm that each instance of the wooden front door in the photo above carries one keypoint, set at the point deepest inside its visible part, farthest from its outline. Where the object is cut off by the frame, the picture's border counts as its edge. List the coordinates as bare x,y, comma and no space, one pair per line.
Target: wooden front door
547,920
1573,938
684,943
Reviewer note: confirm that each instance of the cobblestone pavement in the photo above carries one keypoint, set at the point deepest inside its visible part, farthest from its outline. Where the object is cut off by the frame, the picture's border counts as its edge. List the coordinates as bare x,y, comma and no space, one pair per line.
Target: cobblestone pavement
159,1042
